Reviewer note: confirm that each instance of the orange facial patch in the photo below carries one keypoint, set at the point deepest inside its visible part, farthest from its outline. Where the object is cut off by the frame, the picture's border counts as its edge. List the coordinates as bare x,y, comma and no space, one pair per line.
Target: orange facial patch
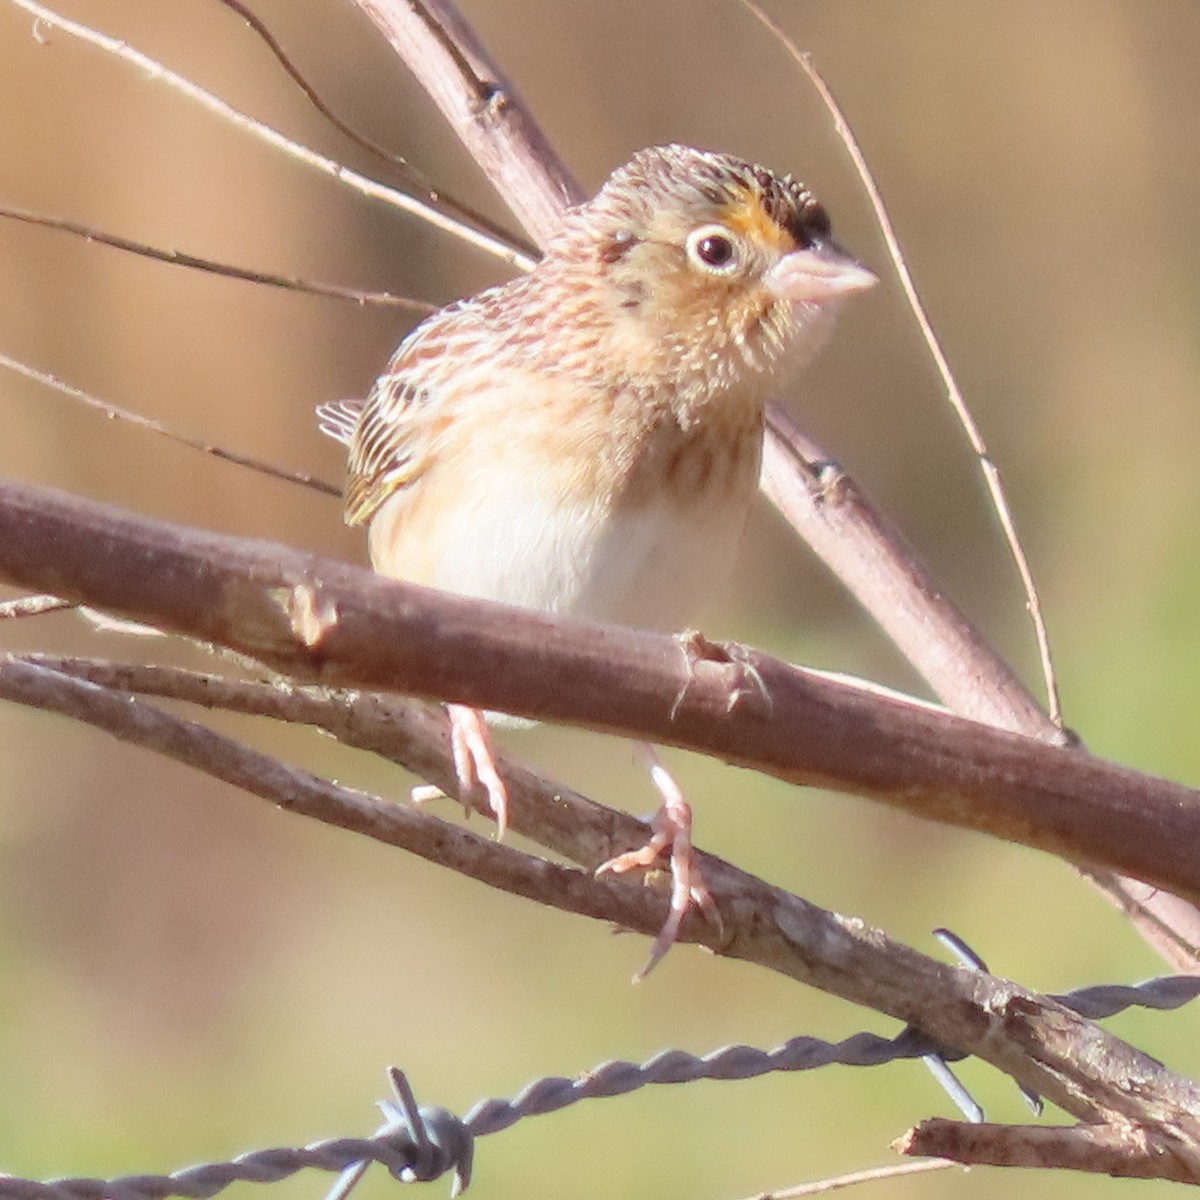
747,216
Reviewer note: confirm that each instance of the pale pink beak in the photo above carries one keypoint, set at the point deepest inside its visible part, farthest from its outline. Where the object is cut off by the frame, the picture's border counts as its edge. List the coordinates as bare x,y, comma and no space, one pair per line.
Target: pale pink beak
822,272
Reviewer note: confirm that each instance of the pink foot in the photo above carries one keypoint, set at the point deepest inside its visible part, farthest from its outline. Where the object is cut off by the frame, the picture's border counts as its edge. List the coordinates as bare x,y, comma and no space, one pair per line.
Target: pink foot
672,839
475,761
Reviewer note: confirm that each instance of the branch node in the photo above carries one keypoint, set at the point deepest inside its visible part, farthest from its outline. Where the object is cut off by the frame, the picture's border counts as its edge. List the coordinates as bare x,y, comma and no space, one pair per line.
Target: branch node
743,680
310,615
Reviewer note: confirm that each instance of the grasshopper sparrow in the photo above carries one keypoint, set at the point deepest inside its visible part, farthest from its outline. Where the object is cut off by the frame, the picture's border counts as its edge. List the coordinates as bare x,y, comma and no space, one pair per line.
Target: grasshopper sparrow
586,439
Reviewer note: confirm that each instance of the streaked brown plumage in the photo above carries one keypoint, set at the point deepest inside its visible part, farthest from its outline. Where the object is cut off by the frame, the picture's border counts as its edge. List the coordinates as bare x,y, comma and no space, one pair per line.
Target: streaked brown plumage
586,439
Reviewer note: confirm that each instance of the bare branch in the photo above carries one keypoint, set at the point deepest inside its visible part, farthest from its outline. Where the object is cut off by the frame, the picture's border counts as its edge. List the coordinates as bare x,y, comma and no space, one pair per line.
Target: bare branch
1038,1041
314,618
370,188
835,1183
1120,1149
412,175
409,733
179,258
482,107
116,413
297,791
858,542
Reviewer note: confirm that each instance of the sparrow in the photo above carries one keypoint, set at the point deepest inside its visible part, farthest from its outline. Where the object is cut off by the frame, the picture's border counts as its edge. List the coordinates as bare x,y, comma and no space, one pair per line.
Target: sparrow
586,439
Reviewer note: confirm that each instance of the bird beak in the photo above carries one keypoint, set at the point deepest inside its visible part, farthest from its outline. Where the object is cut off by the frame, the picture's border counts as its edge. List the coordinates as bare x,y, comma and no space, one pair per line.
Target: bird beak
822,272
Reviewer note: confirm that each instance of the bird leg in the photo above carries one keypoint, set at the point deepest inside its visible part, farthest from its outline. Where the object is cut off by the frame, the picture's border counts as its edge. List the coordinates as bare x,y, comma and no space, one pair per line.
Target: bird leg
671,839
475,761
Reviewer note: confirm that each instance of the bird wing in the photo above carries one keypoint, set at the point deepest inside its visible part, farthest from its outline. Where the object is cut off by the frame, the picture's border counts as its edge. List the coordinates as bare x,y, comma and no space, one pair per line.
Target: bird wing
391,433
380,439
388,445
433,375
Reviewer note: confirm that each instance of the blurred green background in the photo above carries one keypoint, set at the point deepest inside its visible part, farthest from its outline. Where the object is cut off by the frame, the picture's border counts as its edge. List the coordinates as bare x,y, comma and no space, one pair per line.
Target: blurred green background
186,973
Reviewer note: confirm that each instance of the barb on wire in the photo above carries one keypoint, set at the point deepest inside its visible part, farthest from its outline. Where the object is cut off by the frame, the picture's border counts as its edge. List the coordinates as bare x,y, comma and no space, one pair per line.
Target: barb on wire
937,1064
416,1146
441,1142
421,1144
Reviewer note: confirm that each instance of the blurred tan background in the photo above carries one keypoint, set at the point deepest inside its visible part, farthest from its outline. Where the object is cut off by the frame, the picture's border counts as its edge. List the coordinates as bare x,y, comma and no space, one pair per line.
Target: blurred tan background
185,973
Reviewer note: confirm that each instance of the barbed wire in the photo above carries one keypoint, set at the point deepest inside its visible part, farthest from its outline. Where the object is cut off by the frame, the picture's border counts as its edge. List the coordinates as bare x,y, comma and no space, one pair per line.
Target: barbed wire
420,1144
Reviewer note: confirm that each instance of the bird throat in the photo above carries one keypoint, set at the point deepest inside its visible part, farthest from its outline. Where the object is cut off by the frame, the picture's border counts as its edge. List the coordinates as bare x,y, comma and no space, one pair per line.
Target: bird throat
712,452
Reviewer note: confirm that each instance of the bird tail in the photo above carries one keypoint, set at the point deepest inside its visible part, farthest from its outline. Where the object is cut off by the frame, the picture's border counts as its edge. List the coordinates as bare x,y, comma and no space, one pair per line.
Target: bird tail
338,419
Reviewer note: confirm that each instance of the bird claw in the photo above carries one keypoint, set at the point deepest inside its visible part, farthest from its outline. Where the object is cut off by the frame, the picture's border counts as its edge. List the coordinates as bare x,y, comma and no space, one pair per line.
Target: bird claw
671,840
475,762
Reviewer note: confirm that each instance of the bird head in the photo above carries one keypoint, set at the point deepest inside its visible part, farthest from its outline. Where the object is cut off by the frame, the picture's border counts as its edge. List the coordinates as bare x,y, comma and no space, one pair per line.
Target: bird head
708,272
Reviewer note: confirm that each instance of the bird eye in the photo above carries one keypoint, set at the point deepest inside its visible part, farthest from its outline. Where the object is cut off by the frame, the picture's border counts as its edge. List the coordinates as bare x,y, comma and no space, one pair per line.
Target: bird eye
713,248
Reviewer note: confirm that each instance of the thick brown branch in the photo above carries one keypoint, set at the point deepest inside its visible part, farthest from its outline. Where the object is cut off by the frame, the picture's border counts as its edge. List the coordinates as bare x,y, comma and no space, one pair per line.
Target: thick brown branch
828,509
314,618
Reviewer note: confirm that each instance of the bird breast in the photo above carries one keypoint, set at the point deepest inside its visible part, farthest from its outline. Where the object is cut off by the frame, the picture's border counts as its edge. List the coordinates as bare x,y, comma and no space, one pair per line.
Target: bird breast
605,513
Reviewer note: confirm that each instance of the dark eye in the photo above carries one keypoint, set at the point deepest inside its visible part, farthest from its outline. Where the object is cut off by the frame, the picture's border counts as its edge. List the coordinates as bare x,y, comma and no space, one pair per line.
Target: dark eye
713,248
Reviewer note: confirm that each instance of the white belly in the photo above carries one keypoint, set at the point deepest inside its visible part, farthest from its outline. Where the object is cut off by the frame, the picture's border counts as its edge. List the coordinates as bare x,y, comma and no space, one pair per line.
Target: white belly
650,566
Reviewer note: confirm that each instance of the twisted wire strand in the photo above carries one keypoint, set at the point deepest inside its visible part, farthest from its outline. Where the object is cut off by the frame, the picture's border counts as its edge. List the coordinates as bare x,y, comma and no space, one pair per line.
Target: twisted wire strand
1108,999
423,1144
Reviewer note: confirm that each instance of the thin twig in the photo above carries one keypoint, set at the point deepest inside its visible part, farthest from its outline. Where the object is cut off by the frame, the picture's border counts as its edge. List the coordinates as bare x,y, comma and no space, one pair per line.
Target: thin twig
412,175
115,413
298,791
821,1187
179,258
482,106
158,72
406,732
991,473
